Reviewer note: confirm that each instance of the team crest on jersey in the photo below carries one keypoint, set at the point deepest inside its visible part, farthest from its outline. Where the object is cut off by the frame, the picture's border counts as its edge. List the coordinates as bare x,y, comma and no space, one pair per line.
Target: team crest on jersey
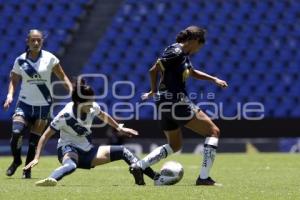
24,66
177,50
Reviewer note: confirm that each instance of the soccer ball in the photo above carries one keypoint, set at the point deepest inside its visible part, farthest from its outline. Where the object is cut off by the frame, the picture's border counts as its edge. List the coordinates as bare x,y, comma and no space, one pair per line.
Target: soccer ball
170,173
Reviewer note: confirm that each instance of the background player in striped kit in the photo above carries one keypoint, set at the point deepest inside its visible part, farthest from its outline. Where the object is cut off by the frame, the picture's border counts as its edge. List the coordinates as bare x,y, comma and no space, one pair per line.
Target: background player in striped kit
34,68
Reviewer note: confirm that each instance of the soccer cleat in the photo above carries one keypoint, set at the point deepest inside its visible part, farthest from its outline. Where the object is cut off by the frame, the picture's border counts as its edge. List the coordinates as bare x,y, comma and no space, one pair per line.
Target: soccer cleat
26,174
46,182
137,173
12,168
207,182
156,176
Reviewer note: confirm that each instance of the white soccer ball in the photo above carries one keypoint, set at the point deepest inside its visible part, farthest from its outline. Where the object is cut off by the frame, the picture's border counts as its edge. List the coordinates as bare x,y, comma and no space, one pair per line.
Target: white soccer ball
170,173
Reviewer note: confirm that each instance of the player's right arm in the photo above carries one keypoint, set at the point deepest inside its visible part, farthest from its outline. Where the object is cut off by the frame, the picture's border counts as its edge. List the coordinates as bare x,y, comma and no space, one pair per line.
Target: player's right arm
153,72
43,140
14,80
105,117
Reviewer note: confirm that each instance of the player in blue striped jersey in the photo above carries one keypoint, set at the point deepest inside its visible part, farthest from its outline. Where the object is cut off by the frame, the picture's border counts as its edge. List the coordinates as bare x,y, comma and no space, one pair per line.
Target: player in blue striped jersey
34,68
75,149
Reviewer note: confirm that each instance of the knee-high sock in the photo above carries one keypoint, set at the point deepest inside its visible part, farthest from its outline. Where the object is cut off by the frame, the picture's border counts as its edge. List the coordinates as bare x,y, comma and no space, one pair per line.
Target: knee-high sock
209,153
122,153
33,141
16,147
18,129
155,156
68,167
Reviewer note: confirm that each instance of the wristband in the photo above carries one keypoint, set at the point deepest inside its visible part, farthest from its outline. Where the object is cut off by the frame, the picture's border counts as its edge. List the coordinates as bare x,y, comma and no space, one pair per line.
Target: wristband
120,126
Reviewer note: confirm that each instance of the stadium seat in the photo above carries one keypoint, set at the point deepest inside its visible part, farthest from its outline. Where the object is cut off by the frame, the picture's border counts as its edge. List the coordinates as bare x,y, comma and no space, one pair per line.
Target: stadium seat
17,17
250,50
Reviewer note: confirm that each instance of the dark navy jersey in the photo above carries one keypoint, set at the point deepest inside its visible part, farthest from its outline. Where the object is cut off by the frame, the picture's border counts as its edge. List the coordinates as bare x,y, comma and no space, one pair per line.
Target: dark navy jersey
175,66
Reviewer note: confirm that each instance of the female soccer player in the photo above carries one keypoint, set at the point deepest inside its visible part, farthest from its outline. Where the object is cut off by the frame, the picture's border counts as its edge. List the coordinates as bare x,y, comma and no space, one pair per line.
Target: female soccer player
174,106
75,150
34,68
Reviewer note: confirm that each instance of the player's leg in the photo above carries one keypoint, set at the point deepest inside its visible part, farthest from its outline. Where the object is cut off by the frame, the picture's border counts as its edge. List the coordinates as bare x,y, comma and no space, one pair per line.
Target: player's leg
174,138
118,152
173,134
203,125
69,165
102,156
36,131
19,126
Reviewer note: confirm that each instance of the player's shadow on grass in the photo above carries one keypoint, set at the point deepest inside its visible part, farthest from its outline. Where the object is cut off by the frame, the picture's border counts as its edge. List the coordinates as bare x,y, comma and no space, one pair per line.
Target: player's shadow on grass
25,179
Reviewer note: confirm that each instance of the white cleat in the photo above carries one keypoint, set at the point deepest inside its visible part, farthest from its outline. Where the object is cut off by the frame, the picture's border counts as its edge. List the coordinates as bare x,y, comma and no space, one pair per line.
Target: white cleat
46,182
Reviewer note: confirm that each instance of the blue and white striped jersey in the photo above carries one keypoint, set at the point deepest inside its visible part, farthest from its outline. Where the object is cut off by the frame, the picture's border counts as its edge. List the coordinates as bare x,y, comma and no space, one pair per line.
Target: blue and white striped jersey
73,130
36,87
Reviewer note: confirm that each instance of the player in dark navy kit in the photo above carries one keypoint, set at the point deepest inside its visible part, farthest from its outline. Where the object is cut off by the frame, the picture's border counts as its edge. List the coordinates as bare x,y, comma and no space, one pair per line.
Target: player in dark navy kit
34,68
74,147
174,106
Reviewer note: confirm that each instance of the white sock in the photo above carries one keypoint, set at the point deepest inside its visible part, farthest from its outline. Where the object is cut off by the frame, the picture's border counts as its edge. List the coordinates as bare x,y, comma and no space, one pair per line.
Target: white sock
155,156
209,153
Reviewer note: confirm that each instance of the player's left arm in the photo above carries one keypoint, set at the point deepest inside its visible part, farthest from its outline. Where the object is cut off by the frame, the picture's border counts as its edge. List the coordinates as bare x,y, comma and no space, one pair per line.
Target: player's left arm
105,117
60,74
204,76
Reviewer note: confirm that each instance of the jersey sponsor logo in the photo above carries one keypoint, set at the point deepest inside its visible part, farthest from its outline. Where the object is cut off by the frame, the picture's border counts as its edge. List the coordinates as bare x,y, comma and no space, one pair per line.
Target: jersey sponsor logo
31,72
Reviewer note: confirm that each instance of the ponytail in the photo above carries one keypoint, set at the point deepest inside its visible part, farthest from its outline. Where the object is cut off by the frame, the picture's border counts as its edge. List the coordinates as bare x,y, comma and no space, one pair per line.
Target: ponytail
191,33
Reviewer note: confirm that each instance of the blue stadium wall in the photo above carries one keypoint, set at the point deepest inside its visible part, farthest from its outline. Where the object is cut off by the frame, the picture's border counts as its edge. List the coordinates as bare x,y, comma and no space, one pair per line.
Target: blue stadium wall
252,44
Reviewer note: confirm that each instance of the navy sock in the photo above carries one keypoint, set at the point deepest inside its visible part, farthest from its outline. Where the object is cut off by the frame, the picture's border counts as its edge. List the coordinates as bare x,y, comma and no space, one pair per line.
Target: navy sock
16,146
33,141
122,153
18,129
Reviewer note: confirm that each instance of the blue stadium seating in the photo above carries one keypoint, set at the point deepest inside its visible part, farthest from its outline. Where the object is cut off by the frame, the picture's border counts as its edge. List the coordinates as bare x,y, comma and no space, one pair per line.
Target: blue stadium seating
17,17
258,54
253,44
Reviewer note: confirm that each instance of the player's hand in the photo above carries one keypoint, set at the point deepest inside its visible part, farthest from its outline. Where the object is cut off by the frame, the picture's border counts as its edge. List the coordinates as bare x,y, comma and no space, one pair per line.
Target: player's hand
8,101
221,83
128,132
30,165
147,95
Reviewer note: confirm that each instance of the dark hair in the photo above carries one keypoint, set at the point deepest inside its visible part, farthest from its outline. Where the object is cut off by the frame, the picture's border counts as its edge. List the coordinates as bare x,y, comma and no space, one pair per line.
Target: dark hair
81,91
35,30
29,34
191,33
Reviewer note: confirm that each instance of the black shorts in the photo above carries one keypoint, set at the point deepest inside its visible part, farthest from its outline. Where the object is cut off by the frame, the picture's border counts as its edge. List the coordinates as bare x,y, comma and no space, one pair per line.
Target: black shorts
85,158
174,114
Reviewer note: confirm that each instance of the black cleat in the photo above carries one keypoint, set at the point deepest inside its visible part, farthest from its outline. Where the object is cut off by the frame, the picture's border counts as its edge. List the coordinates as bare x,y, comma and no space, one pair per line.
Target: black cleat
26,174
12,168
208,182
137,173
156,176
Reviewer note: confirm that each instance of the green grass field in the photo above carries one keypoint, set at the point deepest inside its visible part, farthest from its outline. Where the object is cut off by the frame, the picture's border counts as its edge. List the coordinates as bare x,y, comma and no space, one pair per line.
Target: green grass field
244,176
